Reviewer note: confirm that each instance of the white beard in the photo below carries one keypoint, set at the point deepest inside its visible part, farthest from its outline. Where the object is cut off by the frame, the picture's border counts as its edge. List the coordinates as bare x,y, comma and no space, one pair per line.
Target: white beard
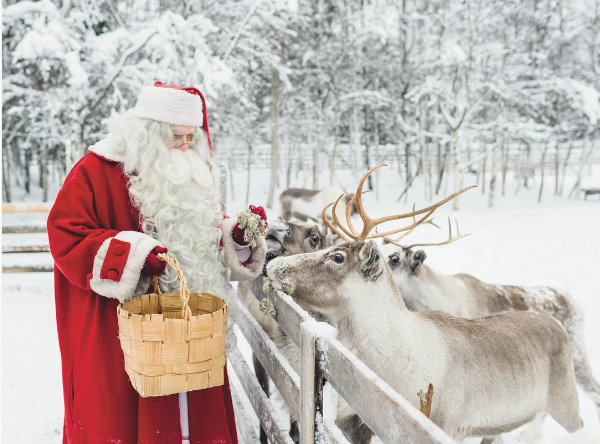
178,204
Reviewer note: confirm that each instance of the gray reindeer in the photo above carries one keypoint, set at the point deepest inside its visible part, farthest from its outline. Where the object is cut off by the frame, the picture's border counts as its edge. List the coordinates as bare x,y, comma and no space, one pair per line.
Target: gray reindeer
468,297
490,374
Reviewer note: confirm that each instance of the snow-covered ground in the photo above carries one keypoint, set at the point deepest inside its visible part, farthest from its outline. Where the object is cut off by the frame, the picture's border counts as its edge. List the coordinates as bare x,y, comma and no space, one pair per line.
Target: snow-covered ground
517,242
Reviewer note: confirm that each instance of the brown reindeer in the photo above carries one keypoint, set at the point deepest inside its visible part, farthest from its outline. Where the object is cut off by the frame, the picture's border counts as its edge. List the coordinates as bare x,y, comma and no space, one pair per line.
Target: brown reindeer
305,205
468,297
491,374
283,239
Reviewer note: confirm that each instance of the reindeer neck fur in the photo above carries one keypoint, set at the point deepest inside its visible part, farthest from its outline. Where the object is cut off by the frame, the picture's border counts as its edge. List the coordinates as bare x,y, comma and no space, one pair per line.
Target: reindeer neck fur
425,289
380,330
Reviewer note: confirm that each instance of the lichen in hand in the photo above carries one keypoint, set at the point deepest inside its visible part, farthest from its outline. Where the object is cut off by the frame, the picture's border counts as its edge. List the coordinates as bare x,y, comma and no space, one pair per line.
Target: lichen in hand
267,307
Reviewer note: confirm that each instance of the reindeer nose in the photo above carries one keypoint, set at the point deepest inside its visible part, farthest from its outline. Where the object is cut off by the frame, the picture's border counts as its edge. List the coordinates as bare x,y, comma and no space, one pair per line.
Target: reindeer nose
279,226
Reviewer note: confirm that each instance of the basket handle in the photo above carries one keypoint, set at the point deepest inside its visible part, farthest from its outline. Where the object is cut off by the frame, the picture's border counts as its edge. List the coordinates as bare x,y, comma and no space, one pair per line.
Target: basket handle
184,291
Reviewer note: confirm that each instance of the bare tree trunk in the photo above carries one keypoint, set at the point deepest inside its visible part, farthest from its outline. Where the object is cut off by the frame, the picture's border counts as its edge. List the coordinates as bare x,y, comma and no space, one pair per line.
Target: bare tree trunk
542,171
564,168
504,166
6,173
457,175
430,167
582,162
44,174
494,174
520,169
231,169
288,173
334,155
316,145
442,166
367,149
483,168
249,181
355,140
377,142
423,145
27,167
274,135
407,162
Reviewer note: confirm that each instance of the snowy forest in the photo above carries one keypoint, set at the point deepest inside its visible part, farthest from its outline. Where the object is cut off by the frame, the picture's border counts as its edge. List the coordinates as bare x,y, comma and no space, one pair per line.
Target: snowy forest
438,89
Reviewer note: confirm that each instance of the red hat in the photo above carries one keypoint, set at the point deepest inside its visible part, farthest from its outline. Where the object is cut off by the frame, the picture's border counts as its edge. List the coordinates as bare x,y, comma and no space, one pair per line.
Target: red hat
173,104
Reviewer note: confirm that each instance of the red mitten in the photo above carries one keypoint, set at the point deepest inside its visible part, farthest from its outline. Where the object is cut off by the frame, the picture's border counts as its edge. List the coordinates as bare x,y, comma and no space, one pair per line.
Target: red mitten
245,220
238,235
154,266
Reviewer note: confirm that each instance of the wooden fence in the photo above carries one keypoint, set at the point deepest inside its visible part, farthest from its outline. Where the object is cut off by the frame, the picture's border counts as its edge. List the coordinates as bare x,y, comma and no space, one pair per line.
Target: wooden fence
25,229
323,358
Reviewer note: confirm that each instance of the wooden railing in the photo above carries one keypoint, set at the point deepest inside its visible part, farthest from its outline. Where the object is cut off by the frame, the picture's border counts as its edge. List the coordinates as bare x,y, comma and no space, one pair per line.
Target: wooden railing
323,358
26,229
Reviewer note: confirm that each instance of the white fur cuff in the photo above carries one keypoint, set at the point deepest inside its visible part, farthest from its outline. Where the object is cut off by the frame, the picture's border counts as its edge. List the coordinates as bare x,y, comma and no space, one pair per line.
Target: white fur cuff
131,282
257,260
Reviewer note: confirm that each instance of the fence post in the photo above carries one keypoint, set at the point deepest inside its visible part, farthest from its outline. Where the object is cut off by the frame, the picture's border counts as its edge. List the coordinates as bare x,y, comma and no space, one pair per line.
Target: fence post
312,428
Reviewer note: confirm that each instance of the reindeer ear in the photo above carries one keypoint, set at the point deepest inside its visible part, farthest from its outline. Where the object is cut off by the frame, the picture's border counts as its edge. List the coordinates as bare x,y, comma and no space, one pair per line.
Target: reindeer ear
371,265
417,259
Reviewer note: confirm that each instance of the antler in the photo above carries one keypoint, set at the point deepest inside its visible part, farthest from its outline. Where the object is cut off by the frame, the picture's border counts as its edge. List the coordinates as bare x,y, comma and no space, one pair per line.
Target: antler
402,236
370,223
435,244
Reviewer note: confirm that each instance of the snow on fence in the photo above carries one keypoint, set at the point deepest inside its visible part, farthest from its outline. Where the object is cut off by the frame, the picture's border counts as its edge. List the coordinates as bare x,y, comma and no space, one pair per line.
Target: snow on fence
323,358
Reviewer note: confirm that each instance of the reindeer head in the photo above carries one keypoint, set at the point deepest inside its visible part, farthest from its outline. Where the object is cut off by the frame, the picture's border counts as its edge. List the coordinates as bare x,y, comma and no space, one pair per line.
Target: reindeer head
402,261
290,238
326,280
405,260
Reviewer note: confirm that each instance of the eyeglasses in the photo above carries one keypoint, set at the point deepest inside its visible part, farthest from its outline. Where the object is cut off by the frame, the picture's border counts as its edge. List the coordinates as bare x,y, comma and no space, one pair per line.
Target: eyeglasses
179,140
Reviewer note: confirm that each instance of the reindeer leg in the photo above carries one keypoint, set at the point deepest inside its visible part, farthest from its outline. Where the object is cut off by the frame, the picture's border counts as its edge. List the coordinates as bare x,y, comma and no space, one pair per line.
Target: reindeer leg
563,401
263,379
583,370
294,431
533,431
355,430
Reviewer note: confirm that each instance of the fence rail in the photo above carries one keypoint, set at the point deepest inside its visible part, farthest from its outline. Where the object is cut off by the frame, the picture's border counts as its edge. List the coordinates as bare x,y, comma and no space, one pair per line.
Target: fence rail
26,207
324,358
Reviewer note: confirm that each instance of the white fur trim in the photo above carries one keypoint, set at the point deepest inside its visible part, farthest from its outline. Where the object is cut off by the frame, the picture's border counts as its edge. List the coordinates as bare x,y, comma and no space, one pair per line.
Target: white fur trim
105,149
257,260
243,251
169,105
132,282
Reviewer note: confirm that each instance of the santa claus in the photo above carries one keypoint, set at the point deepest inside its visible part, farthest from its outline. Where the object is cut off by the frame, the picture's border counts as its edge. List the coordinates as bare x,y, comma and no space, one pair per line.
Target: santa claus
145,189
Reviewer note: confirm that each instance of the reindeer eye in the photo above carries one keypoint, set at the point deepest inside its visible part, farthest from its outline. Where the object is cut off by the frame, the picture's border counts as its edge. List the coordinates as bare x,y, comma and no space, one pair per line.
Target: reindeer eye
338,258
315,239
394,259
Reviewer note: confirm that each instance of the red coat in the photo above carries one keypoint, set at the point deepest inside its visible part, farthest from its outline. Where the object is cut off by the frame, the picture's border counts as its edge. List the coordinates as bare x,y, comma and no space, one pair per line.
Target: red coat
101,405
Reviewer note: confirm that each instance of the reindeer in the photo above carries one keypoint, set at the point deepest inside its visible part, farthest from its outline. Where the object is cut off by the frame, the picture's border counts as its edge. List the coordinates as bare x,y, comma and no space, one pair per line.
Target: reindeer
283,239
491,374
468,297
306,205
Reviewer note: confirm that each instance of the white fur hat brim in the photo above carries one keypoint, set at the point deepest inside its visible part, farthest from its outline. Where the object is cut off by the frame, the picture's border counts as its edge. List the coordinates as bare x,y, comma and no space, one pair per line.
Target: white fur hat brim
169,105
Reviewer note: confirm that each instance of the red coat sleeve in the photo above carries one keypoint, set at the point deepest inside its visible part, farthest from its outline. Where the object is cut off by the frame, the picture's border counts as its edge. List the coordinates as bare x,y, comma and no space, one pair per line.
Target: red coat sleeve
74,231
93,235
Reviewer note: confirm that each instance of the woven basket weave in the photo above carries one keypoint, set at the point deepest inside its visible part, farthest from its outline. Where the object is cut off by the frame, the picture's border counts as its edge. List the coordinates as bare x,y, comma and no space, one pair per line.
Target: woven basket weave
173,342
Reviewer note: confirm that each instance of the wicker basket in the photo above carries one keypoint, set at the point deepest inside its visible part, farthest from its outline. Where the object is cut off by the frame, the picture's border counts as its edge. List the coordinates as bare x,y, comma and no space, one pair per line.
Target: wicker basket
173,342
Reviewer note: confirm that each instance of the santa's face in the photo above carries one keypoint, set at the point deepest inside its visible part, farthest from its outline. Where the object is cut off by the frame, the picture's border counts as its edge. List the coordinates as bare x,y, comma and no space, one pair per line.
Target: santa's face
183,137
